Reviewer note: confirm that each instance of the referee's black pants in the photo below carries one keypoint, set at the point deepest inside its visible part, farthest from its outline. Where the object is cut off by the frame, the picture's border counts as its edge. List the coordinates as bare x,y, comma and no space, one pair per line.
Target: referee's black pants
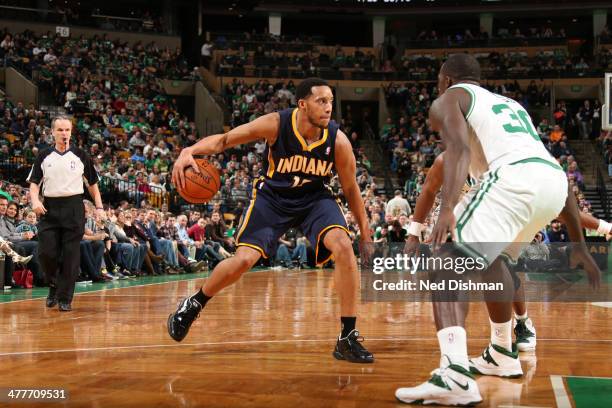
59,233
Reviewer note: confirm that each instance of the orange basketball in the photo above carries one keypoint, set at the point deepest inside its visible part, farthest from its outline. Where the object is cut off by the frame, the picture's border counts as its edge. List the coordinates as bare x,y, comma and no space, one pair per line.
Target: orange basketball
200,187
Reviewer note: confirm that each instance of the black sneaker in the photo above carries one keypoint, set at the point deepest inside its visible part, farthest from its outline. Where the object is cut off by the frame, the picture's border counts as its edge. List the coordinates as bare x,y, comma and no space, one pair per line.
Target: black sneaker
65,307
180,321
51,299
350,349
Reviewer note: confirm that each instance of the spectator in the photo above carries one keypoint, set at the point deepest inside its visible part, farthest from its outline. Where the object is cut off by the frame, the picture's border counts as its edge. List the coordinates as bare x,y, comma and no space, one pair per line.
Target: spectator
290,250
206,54
398,205
216,232
22,242
557,233
585,120
557,134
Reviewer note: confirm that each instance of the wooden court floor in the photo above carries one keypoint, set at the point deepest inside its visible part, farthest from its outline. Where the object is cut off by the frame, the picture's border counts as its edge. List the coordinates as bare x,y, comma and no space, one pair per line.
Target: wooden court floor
267,342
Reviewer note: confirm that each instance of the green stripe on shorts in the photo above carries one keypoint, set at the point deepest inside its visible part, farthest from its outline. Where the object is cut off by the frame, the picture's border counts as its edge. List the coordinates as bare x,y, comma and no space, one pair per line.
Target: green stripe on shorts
465,217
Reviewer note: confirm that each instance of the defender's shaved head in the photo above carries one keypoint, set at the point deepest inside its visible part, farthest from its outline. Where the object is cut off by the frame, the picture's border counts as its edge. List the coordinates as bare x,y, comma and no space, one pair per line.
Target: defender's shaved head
461,67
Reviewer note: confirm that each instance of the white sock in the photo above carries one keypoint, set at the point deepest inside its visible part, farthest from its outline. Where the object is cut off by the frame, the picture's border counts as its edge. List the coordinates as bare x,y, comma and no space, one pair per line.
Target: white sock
501,334
453,343
520,317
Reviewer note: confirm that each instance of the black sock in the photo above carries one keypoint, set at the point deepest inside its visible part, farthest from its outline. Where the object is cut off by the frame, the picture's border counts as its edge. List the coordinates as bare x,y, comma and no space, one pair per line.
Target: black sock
348,325
201,298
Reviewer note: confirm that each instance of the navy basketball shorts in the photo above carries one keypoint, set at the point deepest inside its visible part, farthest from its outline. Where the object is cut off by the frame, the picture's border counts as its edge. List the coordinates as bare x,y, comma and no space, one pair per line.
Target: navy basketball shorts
269,215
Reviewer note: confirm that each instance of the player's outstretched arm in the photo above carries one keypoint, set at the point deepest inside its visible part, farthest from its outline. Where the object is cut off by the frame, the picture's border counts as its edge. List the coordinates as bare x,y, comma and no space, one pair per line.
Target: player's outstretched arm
345,165
264,127
446,117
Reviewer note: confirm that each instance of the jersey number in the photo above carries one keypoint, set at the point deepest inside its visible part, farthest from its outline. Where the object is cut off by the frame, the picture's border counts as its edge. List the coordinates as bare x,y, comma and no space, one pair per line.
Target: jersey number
520,123
299,182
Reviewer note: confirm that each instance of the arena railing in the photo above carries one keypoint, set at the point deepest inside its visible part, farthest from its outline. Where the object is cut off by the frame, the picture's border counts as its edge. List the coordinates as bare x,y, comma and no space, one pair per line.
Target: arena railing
15,168
480,43
116,190
407,75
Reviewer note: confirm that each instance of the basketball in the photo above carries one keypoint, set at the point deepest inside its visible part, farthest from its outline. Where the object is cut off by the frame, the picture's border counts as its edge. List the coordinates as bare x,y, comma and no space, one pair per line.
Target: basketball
200,187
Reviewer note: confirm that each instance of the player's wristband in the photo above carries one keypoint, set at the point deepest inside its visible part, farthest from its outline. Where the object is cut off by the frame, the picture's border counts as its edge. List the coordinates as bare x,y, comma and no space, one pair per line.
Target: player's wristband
99,208
604,227
415,228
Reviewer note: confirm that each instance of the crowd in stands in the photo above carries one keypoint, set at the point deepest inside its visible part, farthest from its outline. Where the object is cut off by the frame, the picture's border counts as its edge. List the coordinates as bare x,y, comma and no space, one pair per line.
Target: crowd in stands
73,14
272,59
552,63
122,115
251,41
248,102
302,64
518,34
51,57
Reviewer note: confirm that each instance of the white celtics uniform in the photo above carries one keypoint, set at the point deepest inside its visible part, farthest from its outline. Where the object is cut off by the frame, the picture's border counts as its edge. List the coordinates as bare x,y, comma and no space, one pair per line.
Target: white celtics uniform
520,185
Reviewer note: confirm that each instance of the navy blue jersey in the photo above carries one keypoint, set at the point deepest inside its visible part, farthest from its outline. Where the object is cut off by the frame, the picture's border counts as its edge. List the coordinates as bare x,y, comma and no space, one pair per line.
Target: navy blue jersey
294,168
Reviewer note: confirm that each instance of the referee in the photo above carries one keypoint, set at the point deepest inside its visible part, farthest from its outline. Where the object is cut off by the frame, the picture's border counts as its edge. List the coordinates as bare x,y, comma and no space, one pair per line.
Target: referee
58,173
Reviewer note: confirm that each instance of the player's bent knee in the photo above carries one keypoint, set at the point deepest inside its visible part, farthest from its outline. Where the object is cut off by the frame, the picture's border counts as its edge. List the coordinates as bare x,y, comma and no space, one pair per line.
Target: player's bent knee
246,258
338,243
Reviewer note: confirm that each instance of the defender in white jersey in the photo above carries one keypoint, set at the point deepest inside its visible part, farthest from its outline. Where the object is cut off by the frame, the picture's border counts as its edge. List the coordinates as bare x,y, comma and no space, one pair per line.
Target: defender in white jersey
520,189
430,194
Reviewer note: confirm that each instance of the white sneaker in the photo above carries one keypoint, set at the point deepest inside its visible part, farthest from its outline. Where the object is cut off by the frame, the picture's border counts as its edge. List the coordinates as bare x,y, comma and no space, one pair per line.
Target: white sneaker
450,385
496,360
22,259
525,334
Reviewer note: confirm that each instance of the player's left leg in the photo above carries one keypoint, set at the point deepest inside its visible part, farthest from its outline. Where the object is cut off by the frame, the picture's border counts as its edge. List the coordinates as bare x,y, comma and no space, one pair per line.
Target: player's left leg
542,198
325,227
451,383
500,358
524,329
346,279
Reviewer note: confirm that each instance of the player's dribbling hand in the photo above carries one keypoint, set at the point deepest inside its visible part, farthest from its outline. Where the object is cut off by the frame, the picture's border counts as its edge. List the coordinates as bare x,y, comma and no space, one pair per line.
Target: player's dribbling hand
445,225
580,256
184,161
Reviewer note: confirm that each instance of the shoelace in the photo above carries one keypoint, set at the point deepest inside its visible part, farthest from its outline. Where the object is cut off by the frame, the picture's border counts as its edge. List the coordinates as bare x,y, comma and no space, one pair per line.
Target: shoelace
357,341
522,330
438,376
440,371
189,309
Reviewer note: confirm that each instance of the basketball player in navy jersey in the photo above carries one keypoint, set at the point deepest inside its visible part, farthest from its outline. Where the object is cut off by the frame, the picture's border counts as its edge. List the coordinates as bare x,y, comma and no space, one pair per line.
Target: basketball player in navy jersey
303,147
